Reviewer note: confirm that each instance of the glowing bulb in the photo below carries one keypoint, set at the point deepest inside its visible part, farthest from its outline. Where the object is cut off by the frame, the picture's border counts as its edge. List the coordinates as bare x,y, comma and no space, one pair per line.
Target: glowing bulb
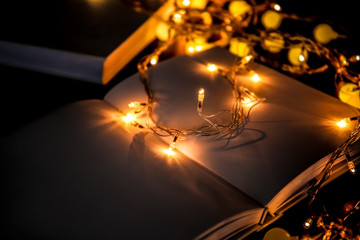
212,67
129,118
351,167
170,150
256,77
198,48
307,224
246,100
177,18
297,55
357,57
239,47
271,19
277,7
239,8
248,58
201,96
186,3
323,33
301,58
343,122
154,60
229,28
134,105
197,44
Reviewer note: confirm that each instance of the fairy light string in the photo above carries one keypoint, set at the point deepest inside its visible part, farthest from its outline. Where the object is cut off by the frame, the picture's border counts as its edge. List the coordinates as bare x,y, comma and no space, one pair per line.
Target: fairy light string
251,31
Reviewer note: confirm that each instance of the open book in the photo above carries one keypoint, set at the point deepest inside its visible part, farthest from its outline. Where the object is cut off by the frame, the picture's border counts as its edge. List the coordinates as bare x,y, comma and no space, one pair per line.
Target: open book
84,40
82,172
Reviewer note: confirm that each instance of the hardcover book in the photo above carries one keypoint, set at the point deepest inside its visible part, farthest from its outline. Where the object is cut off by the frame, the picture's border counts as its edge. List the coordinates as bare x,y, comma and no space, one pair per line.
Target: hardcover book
77,39
83,172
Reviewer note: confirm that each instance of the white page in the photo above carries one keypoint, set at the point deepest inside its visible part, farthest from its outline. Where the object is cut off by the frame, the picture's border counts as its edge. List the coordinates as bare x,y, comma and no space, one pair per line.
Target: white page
291,130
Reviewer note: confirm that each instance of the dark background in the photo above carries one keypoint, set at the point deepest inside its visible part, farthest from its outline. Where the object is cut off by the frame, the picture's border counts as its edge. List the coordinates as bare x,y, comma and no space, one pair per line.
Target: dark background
70,25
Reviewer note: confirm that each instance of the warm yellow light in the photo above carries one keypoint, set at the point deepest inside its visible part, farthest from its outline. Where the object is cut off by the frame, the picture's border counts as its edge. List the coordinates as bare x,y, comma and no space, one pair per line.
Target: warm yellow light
248,58
277,7
169,151
239,8
134,105
212,67
246,100
343,122
198,48
357,57
350,94
177,18
129,118
201,95
154,60
297,55
198,4
271,19
197,44
307,224
323,33
301,58
163,31
274,42
239,47
351,167
229,28
255,77
186,3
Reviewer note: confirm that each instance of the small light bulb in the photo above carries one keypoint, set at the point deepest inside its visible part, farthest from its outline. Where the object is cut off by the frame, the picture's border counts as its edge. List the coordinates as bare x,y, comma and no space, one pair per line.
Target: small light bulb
229,28
357,57
343,122
301,58
212,67
246,100
256,77
129,118
154,60
297,55
307,224
351,167
277,7
170,150
177,18
186,2
198,48
248,58
201,97
134,104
